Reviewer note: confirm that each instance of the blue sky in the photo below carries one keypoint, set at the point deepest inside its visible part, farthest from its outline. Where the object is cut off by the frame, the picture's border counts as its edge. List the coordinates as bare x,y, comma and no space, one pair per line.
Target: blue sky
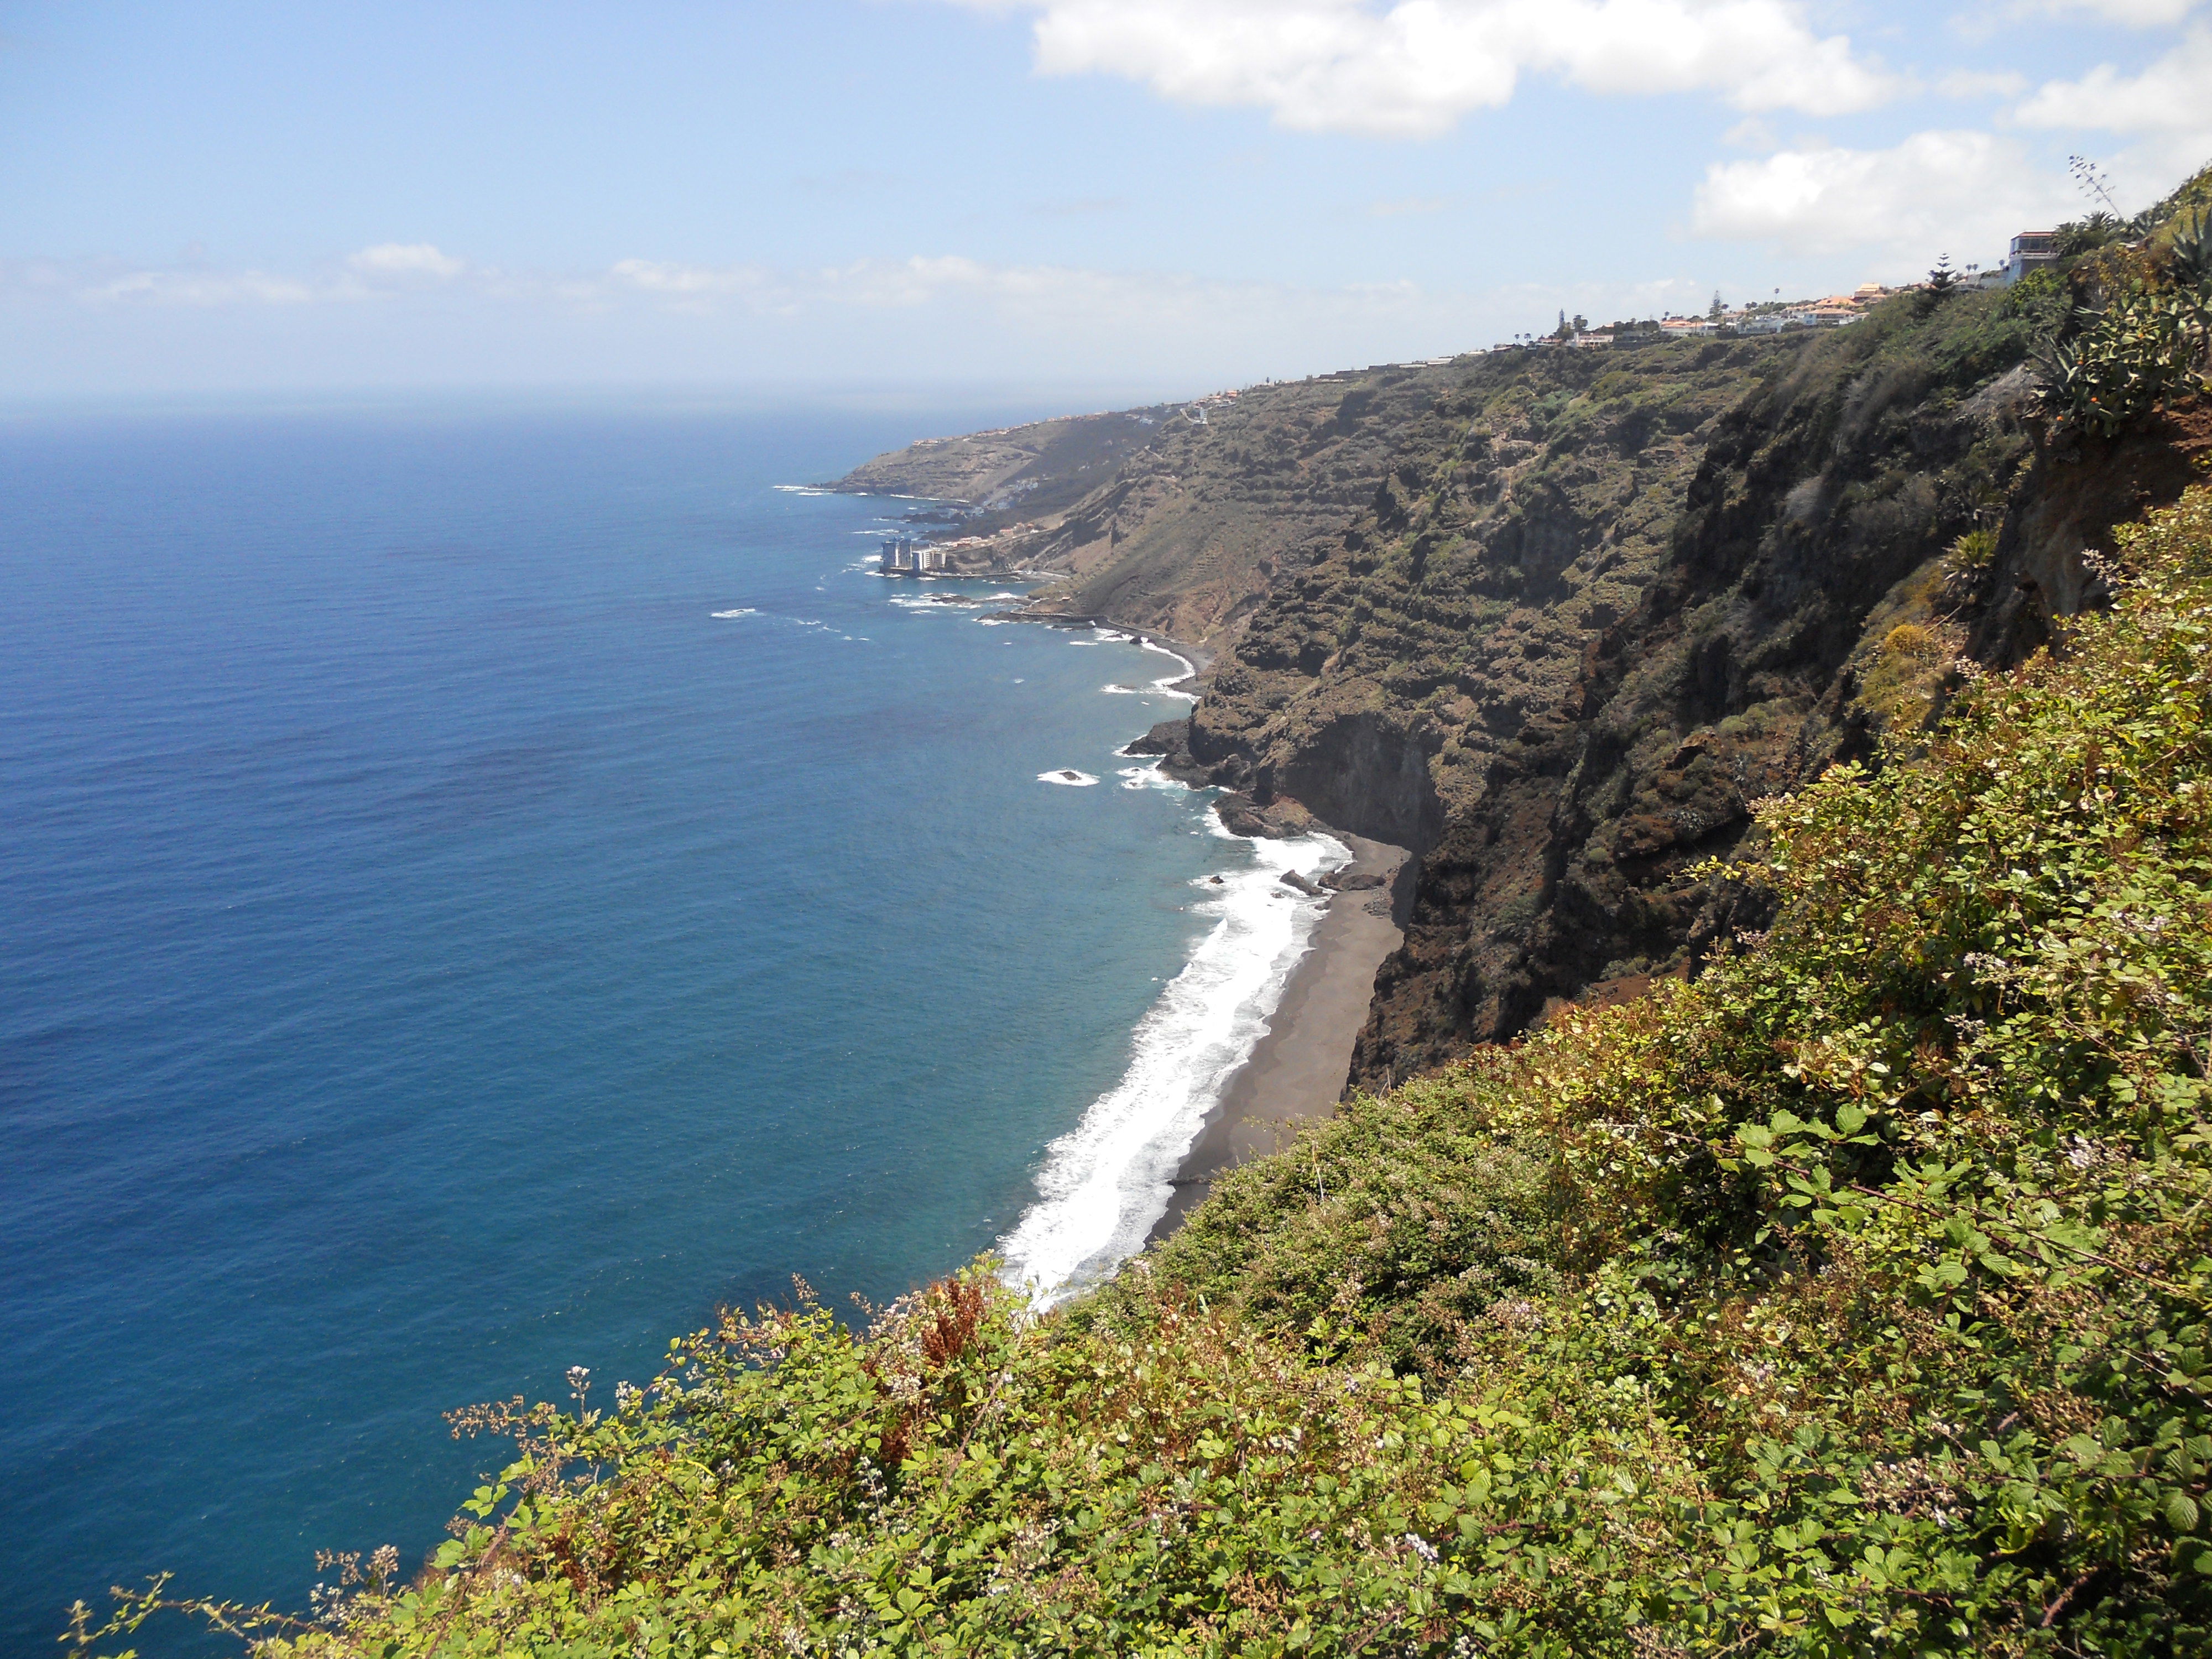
1123,197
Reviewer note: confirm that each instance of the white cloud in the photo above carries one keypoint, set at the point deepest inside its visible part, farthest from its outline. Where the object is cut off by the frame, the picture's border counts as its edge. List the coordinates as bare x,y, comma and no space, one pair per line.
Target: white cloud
2129,14
2167,107
380,271
1982,83
2173,95
1752,133
1413,68
1959,192
406,259
202,288
689,281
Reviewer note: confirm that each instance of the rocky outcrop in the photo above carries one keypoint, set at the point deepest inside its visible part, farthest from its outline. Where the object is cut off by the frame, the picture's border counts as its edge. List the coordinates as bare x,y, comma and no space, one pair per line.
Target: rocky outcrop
1272,820
2082,489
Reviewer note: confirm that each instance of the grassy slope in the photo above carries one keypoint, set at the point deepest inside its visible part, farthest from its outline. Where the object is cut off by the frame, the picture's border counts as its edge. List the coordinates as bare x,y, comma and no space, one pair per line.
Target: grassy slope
1850,1300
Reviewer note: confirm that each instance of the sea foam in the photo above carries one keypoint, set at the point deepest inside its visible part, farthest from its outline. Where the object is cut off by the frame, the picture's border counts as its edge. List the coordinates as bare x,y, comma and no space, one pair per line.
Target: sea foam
1106,1182
1146,776
1166,685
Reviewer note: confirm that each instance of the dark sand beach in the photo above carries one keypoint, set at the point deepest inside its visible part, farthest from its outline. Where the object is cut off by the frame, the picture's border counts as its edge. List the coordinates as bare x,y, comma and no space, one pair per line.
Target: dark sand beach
1297,1070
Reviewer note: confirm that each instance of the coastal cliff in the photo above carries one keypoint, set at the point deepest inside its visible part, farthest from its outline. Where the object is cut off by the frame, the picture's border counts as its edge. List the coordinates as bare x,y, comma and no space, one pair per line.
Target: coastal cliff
1561,660
1179,519
1554,619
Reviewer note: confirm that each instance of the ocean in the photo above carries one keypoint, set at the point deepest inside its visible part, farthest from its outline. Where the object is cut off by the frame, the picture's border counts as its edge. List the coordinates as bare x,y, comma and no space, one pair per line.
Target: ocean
484,888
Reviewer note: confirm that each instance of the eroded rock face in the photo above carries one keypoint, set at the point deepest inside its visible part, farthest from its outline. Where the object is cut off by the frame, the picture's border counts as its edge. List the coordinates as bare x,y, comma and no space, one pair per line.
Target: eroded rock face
2082,489
1561,655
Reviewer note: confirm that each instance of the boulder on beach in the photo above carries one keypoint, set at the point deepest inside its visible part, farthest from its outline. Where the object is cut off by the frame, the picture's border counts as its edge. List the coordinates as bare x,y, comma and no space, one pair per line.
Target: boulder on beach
1276,820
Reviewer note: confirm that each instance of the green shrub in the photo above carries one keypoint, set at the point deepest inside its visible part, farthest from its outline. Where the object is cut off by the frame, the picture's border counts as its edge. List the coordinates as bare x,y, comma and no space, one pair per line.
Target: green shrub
2144,337
1973,549
1854,1299
2140,349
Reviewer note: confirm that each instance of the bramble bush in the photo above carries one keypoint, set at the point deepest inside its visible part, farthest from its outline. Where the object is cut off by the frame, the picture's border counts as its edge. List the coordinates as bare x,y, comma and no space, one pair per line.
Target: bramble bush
1850,1300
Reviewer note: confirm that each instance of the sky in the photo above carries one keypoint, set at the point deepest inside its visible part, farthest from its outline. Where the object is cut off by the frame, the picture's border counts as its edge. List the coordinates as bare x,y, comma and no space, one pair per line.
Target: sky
1085,197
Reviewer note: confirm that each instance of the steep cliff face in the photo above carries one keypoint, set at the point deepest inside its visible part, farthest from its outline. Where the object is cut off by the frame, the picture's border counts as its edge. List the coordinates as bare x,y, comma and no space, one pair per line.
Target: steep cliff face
2081,489
1561,654
1554,619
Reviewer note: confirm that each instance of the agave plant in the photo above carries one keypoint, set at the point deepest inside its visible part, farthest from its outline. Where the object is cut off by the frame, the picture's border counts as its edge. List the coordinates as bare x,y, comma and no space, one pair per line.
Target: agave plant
2190,252
2147,343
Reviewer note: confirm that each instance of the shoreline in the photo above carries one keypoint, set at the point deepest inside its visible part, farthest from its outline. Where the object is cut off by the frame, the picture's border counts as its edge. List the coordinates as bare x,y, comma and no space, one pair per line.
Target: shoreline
1296,1072
1197,658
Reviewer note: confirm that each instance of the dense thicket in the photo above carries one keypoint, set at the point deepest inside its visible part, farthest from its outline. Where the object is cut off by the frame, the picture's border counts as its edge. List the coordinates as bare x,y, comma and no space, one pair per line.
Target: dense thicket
1852,1299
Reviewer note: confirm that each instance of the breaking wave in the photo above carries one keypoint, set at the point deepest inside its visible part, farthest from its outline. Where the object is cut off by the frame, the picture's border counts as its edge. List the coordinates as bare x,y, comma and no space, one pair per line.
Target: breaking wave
1105,1183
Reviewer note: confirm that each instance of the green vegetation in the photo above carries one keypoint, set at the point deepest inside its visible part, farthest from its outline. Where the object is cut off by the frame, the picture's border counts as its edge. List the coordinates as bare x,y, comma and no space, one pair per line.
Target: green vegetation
1974,549
2142,330
1850,1300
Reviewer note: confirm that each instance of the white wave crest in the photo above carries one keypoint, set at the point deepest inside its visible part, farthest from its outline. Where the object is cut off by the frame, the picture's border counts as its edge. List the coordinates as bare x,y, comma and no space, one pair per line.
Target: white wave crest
1148,776
742,611
1069,776
1166,685
1105,1183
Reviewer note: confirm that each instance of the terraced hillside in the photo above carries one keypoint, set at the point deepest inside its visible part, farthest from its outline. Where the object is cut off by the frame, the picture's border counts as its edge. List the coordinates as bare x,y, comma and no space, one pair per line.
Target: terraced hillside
1208,506
995,473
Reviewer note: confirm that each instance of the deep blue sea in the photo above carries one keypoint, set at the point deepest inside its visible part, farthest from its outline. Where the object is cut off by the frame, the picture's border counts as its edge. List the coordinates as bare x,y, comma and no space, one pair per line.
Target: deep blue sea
479,890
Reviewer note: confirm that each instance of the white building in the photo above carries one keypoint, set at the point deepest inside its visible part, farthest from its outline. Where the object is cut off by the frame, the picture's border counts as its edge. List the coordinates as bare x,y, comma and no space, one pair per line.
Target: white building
2032,250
